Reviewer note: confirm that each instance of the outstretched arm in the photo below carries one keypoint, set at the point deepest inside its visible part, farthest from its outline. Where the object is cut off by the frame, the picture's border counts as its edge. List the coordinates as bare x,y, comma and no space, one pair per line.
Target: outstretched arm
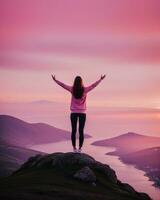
92,86
67,87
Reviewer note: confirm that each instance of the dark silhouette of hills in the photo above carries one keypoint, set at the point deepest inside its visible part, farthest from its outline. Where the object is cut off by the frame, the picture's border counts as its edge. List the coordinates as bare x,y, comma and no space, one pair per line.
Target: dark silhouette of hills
20,133
129,142
66,176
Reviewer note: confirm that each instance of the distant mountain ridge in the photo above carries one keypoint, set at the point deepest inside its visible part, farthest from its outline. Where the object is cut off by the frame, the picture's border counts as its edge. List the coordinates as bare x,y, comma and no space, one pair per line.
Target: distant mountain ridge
129,142
139,150
146,157
147,160
18,132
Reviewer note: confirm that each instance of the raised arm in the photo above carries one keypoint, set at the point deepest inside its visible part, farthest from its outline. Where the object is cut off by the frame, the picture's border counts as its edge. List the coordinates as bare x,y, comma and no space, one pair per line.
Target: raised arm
67,87
92,86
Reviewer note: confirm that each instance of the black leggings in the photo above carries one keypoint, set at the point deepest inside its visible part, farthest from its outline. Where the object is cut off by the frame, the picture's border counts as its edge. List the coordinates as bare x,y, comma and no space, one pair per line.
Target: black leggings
82,119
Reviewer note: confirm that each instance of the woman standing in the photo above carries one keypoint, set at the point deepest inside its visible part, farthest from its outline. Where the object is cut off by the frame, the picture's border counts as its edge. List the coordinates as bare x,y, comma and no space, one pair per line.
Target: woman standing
78,107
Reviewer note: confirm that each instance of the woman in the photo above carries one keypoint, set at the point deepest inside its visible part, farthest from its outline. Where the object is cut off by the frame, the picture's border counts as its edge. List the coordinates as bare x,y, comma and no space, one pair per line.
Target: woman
78,107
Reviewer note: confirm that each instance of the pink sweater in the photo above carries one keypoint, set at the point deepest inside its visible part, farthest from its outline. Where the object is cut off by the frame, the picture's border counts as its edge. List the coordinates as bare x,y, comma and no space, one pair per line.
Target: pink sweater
78,105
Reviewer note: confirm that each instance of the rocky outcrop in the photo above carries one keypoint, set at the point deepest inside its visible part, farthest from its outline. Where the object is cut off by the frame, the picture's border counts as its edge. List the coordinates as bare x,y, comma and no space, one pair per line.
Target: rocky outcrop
85,174
84,168
62,161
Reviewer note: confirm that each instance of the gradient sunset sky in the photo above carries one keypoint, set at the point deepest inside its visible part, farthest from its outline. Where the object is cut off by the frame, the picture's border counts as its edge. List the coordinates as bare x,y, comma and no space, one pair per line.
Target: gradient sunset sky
119,38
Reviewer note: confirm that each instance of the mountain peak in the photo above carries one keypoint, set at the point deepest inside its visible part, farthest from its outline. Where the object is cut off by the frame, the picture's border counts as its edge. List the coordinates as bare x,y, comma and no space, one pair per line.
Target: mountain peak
132,134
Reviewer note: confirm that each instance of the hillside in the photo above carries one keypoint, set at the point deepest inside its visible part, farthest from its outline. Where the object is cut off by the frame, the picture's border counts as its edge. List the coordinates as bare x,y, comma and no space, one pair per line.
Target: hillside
129,142
139,150
145,157
16,135
66,176
20,133
12,157
147,160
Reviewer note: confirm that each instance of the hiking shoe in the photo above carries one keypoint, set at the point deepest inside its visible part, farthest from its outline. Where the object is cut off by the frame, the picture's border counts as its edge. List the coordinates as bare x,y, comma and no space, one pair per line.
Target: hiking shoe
74,149
79,150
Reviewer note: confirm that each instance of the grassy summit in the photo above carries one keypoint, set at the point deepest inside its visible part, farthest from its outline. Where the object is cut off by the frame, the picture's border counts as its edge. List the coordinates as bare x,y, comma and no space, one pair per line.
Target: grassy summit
66,176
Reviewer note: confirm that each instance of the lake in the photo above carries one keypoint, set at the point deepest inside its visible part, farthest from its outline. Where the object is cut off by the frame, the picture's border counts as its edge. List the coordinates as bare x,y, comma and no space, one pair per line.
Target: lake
125,173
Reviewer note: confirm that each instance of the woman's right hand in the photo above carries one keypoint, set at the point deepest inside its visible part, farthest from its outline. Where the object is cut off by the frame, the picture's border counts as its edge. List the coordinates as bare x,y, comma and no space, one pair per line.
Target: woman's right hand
103,76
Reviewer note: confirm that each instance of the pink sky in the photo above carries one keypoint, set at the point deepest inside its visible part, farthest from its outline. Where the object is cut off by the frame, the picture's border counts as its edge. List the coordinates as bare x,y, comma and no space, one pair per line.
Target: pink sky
120,38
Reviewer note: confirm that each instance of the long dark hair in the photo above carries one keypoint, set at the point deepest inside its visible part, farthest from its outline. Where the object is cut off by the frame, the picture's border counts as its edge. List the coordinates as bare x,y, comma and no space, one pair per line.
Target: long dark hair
78,87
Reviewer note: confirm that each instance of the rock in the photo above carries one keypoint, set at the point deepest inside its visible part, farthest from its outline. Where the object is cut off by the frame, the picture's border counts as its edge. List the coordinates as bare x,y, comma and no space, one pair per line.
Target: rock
105,169
68,159
62,161
85,174
32,161
93,184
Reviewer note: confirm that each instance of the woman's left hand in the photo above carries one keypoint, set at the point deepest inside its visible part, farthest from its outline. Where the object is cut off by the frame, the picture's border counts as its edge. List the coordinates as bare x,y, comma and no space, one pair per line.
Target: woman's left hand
54,78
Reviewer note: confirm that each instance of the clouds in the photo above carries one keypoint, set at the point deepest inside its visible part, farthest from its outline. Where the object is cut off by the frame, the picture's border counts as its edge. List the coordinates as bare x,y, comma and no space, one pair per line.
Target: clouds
119,31
79,37
103,15
45,51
